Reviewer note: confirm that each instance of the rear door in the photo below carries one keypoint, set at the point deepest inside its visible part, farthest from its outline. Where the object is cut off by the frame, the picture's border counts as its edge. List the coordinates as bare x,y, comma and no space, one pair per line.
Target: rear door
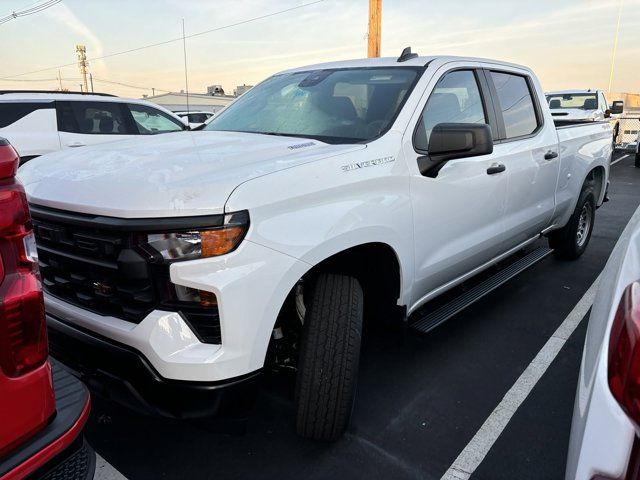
458,214
83,123
528,147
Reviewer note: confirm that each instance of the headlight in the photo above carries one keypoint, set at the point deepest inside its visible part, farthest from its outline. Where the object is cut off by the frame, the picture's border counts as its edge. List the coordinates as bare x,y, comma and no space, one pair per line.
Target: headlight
203,242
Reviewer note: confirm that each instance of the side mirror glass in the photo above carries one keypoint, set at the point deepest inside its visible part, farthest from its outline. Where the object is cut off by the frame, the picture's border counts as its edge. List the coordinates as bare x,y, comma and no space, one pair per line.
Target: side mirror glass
449,141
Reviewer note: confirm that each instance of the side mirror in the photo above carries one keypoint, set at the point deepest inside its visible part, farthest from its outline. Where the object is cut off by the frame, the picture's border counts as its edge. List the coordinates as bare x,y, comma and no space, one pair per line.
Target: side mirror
617,107
449,141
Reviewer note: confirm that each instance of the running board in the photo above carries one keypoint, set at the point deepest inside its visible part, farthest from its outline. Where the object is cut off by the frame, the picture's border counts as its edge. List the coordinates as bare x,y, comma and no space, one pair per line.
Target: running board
448,310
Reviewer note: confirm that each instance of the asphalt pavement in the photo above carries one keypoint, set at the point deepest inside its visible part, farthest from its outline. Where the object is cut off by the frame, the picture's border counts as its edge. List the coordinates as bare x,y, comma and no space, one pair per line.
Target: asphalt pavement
420,401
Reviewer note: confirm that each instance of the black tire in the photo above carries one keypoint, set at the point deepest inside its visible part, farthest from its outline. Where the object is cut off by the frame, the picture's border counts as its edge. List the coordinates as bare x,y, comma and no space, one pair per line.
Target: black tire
637,162
571,241
329,356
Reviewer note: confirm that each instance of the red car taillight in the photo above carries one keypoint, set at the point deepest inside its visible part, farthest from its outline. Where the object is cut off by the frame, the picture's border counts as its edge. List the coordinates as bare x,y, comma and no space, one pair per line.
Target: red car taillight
23,334
624,353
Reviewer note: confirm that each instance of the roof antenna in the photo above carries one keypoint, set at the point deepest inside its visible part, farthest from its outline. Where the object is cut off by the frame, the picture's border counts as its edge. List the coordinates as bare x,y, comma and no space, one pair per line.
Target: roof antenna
406,55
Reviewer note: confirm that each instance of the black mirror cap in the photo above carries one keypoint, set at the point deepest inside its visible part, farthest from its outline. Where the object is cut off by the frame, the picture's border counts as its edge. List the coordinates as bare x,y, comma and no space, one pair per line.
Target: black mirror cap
459,140
617,107
449,141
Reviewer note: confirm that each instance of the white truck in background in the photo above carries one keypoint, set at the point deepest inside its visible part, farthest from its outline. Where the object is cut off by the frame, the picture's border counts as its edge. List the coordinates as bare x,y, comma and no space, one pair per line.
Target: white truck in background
575,106
176,267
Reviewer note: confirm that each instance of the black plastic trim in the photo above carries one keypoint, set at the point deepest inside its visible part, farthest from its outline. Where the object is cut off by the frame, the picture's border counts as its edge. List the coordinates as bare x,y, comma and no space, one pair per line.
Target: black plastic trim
123,374
159,224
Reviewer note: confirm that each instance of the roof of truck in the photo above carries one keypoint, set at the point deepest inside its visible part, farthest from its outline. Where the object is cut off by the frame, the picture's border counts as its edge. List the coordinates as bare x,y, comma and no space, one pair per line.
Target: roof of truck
393,62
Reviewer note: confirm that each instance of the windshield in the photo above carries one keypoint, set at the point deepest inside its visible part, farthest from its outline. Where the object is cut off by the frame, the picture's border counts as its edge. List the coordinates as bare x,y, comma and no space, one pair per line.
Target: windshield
334,106
583,101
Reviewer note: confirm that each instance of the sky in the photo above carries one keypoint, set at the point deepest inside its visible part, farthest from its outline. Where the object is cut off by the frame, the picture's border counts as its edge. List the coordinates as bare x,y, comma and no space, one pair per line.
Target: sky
568,43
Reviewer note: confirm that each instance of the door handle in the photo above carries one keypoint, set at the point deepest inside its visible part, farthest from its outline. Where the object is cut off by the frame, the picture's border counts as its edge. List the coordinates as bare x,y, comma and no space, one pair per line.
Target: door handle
550,155
75,144
496,168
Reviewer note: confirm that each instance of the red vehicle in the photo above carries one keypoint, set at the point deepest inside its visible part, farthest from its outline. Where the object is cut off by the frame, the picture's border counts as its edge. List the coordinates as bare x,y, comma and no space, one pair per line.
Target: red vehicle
43,409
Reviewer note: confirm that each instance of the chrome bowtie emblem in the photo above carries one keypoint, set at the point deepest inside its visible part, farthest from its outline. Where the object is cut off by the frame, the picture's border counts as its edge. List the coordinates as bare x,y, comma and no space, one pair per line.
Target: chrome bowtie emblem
102,288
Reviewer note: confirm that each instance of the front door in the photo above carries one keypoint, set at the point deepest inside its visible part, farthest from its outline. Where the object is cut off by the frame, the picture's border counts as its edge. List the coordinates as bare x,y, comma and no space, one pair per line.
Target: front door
459,213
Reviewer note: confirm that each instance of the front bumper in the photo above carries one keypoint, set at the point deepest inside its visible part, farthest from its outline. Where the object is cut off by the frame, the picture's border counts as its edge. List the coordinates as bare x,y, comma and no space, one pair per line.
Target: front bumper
123,374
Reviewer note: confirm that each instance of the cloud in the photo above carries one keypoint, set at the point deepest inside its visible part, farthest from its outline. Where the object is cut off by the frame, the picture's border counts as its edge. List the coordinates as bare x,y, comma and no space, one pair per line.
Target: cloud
65,16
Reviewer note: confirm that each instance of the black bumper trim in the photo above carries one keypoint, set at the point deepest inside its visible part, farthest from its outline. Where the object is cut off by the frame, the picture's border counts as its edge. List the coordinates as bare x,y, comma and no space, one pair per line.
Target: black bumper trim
123,374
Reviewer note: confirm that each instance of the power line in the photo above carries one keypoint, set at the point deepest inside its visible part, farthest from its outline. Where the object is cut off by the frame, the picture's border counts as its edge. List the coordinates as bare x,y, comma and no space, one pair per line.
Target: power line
173,40
29,11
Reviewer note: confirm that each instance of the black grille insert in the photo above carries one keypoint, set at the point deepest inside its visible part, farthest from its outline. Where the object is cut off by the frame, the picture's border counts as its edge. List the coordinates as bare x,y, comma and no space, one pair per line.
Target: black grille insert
99,268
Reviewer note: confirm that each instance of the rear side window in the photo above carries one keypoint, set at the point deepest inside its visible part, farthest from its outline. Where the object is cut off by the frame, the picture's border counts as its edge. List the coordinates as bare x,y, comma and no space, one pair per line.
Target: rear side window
516,102
94,118
149,120
11,112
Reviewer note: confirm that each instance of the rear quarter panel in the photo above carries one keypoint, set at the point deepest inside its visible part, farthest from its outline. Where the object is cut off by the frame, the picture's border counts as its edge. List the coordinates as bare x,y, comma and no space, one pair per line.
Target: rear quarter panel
582,148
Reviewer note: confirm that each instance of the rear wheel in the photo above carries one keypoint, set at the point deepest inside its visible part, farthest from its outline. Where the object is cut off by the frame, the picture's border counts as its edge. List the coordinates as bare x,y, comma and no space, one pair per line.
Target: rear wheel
637,163
329,355
571,241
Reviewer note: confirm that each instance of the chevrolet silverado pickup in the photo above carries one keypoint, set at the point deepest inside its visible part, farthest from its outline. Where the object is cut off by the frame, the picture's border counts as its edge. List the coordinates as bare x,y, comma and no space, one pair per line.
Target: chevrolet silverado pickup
177,267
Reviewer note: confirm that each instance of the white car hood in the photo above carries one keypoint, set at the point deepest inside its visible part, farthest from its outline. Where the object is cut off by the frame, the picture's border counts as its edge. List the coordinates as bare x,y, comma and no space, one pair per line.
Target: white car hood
175,174
574,114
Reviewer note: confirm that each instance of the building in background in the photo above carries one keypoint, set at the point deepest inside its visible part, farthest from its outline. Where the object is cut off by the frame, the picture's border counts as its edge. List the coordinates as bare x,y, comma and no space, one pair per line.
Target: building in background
215,90
240,89
177,102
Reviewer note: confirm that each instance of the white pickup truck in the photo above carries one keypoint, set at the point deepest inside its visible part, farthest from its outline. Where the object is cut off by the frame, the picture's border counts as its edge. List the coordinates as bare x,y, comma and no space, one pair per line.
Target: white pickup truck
177,267
575,106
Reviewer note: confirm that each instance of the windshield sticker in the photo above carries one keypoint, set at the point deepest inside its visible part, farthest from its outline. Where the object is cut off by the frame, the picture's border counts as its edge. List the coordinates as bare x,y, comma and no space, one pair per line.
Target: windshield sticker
301,145
367,163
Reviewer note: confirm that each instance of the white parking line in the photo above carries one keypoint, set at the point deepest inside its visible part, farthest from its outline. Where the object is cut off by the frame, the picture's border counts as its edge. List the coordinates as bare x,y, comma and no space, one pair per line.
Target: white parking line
105,471
477,449
620,159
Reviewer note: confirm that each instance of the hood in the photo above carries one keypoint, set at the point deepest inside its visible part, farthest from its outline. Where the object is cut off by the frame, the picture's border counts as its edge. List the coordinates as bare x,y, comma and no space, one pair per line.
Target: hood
168,175
574,114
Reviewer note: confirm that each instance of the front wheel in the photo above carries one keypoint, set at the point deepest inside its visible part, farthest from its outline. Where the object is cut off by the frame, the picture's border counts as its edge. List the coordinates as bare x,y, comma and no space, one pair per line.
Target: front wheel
571,241
329,356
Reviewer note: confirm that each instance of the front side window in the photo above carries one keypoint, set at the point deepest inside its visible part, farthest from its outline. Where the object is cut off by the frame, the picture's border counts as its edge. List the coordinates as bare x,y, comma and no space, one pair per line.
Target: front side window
93,118
150,121
456,98
516,103
334,106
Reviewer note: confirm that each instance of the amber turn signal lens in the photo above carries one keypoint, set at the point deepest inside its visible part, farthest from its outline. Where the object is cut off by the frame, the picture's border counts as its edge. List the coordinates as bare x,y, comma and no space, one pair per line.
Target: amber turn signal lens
208,299
221,241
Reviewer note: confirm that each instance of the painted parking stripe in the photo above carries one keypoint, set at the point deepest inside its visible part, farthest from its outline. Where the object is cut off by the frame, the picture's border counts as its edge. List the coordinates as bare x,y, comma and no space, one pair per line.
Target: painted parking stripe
477,449
105,471
620,159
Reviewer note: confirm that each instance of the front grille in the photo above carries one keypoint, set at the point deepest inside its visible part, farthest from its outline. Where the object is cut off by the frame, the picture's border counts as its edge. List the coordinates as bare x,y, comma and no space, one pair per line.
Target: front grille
100,269
94,269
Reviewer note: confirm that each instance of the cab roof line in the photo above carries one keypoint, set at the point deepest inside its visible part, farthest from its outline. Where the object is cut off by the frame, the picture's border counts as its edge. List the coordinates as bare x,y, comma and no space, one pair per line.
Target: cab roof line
4,92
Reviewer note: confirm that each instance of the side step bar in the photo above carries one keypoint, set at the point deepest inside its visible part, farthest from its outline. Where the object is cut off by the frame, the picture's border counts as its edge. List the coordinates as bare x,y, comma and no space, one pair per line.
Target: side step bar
448,310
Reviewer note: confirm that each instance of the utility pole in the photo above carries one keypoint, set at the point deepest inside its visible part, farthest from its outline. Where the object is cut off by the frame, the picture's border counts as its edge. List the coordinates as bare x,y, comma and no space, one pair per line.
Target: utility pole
186,80
60,80
91,80
82,64
153,91
375,22
615,47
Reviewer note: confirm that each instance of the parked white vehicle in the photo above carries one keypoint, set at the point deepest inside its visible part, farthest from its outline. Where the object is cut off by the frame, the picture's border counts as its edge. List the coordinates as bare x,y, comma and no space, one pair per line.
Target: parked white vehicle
183,265
195,118
571,106
606,420
39,122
